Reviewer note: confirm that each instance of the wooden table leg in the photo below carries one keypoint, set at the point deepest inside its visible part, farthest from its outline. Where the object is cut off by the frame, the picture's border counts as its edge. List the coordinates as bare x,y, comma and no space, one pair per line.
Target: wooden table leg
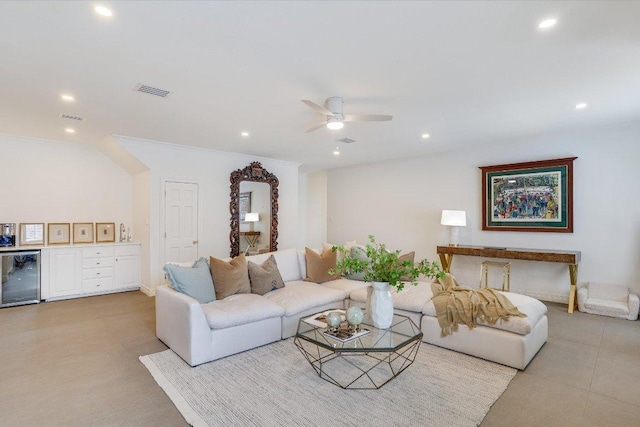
445,260
573,276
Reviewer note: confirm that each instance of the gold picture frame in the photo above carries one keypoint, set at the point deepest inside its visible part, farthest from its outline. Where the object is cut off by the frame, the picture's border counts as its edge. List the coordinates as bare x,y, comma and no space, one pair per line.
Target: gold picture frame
58,233
105,232
32,234
82,232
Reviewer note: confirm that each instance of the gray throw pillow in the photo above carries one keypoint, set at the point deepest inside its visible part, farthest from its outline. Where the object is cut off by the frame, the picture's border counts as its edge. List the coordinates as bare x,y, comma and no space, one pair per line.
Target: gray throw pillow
360,253
265,277
193,281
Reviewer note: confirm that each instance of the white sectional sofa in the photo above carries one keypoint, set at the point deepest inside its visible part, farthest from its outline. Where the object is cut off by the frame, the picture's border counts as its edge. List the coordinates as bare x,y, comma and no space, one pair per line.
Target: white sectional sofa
201,333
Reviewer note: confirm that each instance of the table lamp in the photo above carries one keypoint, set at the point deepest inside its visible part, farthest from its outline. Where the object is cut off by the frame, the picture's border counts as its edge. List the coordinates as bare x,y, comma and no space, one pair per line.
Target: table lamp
251,218
454,220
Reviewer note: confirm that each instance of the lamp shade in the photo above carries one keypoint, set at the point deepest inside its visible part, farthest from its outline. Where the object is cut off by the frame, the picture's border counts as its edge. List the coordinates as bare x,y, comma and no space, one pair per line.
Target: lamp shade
454,218
252,217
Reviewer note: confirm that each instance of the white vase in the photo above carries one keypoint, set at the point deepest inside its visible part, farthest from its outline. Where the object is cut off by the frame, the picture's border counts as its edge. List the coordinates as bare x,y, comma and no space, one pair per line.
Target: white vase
381,305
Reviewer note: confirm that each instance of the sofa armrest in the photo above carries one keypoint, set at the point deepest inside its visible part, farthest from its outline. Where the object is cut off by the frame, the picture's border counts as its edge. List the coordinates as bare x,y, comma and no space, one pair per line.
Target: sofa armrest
583,294
634,306
182,326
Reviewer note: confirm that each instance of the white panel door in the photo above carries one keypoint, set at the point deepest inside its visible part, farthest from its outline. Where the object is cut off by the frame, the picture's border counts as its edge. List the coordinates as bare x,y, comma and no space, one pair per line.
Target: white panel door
181,221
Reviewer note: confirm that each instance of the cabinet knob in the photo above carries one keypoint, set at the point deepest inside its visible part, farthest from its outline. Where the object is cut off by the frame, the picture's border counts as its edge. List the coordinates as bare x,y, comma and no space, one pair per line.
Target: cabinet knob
97,263
97,274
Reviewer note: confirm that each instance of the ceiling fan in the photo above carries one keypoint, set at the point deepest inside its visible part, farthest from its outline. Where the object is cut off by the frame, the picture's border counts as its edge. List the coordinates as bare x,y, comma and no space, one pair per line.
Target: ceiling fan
335,118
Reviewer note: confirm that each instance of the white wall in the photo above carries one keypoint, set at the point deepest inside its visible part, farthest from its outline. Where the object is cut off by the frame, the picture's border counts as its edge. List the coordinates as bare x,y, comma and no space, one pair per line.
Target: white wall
313,209
51,181
401,201
211,170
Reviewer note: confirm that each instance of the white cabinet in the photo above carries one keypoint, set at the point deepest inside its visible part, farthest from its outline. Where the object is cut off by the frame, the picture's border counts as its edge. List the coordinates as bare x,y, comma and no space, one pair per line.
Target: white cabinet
90,270
64,272
127,267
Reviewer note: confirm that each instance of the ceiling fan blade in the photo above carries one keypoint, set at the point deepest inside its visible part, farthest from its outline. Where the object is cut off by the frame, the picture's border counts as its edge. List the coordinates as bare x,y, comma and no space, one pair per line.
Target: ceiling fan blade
316,127
318,108
367,118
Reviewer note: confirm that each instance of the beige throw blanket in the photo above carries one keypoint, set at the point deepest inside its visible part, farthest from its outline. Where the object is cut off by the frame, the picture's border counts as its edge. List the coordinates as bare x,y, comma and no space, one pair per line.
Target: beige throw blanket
457,305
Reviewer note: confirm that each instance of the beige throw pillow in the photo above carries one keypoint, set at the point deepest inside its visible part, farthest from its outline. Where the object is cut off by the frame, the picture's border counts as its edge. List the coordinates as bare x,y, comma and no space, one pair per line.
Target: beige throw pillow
230,278
318,266
265,277
407,257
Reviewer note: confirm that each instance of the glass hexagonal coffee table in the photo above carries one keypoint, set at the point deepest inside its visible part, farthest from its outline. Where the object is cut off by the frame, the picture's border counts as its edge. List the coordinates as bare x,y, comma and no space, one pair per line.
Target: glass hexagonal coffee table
366,362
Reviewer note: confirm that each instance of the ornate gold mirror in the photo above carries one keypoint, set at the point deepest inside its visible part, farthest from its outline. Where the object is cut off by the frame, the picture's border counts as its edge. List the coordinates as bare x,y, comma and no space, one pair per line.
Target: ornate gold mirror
254,191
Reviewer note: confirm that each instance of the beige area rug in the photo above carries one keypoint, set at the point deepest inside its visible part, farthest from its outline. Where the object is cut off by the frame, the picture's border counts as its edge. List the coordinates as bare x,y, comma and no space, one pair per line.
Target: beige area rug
275,386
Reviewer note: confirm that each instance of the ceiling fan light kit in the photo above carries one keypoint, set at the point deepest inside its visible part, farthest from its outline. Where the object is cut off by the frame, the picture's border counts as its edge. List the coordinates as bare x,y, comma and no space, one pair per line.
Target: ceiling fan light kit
334,123
335,118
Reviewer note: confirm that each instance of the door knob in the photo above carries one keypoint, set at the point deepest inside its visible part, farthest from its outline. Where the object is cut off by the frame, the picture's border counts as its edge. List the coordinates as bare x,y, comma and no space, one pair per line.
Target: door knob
195,242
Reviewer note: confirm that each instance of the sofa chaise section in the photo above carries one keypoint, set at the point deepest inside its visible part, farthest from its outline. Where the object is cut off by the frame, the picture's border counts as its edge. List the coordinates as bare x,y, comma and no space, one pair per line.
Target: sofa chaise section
183,325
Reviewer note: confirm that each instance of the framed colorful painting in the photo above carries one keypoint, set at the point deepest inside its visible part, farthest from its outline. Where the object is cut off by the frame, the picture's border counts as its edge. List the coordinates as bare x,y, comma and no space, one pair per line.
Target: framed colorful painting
530,196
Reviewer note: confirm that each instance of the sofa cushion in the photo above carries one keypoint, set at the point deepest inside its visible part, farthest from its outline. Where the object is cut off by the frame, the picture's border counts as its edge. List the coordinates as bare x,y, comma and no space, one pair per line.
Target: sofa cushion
264,277
339,255
231,277
318,266
193,281
240,309
298,296
346,285
607,307
287,261
606,291
533,308
411,298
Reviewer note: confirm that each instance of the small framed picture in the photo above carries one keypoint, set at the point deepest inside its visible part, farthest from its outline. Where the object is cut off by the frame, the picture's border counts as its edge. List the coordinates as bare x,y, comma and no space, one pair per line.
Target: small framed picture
105,232
82,232
58,233
31,234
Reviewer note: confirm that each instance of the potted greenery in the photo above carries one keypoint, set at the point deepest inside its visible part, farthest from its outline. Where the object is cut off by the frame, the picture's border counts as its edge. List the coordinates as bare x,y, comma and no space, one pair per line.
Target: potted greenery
383,268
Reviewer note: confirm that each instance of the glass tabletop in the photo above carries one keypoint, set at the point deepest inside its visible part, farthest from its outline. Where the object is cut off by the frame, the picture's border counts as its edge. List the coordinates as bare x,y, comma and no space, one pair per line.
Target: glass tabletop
401,332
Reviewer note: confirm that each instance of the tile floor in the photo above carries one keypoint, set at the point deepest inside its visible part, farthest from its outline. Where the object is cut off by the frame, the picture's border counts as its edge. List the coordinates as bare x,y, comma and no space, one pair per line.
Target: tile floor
75,363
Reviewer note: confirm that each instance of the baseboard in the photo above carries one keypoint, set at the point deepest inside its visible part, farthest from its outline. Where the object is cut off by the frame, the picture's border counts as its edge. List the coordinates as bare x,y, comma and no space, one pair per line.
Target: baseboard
543,296
147,290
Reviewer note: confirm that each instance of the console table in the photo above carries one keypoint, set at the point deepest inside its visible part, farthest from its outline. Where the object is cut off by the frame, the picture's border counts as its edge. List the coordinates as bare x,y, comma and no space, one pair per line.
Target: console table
572,258
251,237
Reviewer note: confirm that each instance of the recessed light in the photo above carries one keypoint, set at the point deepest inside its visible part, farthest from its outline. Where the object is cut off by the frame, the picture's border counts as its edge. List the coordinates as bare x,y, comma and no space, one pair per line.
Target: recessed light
69,130
245,134
547,23
67,97
425,136
581,106
104,11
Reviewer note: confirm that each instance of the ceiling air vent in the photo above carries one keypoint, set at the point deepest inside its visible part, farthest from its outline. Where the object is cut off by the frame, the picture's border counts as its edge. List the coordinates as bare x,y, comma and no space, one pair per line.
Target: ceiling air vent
151,90
70,117
347,140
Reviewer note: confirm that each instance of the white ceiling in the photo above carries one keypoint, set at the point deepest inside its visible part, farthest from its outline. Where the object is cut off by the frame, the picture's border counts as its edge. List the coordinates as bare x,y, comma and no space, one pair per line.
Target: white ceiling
467,73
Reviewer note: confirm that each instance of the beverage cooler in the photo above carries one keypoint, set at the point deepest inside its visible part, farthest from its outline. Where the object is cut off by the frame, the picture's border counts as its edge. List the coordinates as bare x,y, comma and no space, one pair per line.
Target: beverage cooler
20,271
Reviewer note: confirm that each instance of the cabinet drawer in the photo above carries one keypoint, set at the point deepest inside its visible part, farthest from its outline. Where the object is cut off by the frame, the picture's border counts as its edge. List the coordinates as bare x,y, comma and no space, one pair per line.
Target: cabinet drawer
97,285
97,252
97,262
94,273
127,250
